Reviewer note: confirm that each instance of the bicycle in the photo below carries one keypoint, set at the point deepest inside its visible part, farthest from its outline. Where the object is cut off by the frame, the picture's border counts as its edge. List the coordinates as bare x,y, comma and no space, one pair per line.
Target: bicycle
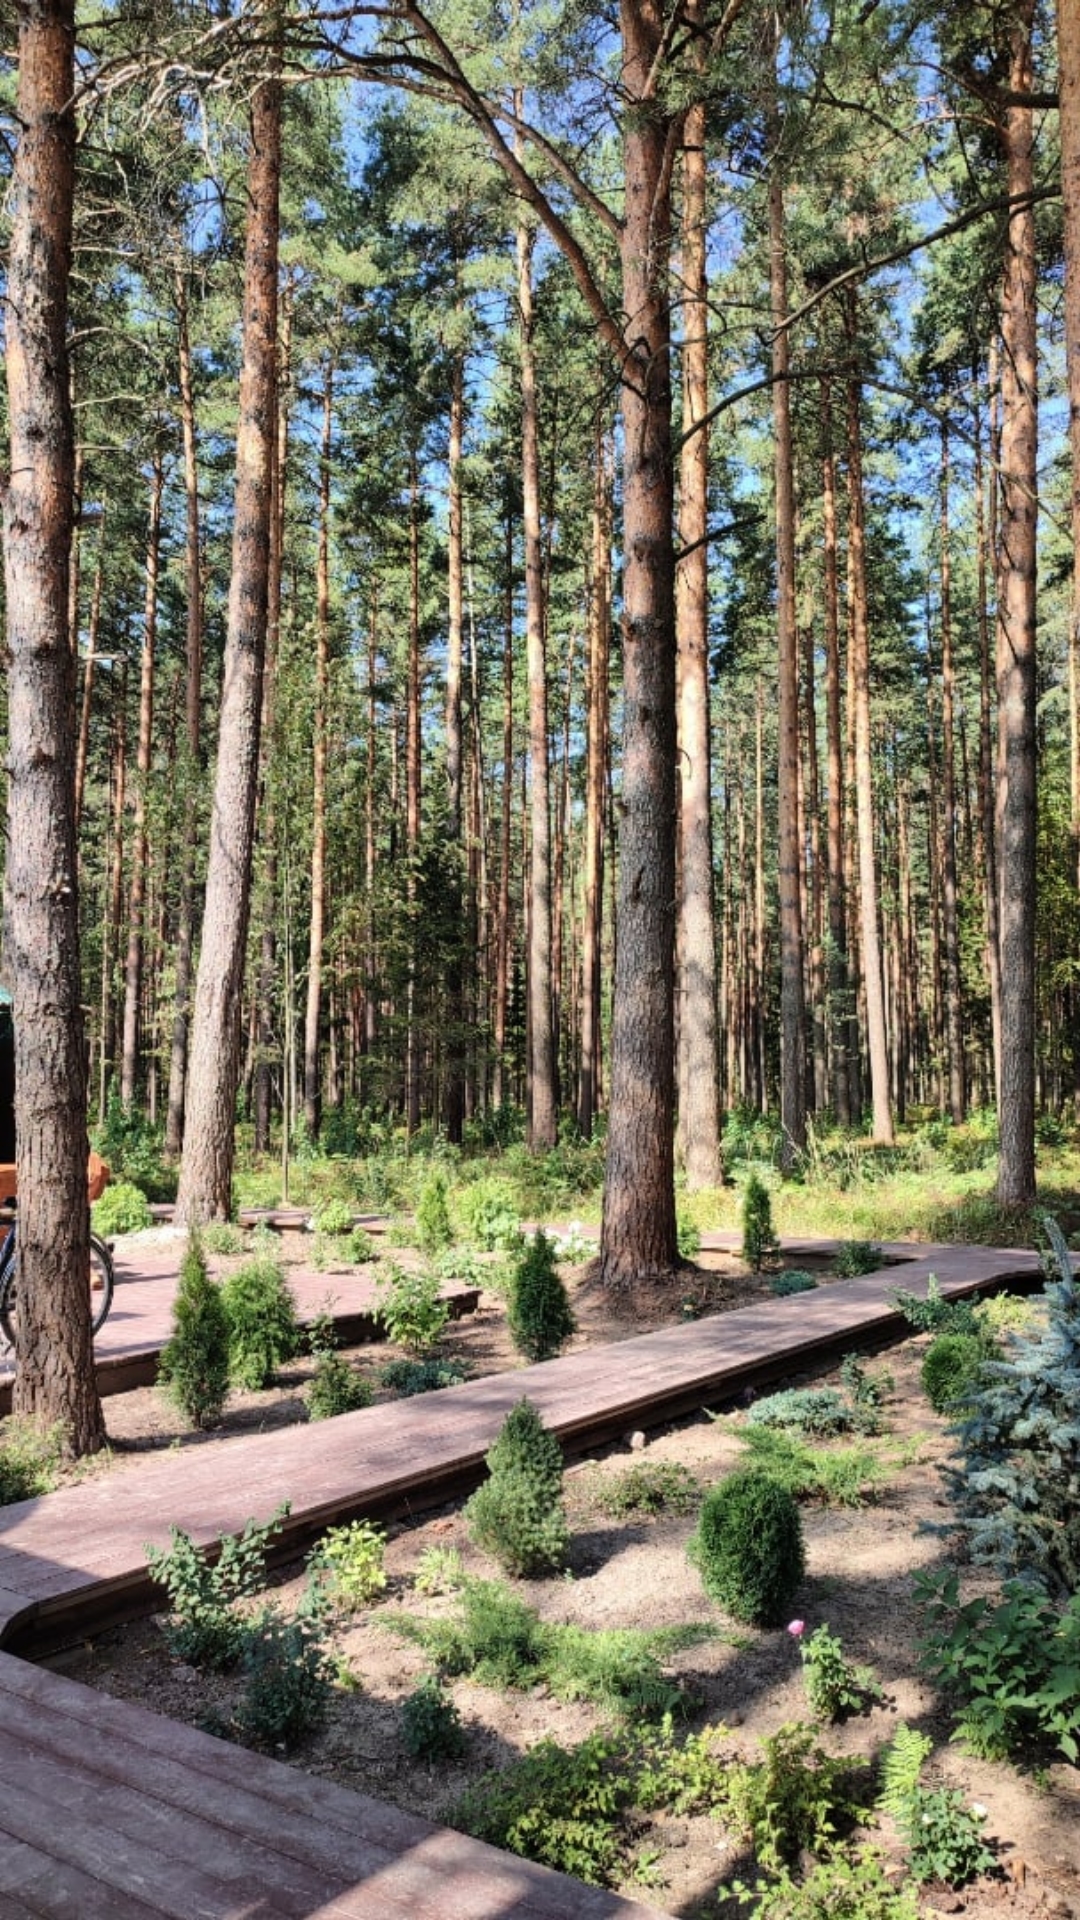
102,1284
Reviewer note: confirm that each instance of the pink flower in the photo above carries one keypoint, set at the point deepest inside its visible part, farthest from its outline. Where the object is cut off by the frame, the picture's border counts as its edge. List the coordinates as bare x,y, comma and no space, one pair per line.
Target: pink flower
797,1628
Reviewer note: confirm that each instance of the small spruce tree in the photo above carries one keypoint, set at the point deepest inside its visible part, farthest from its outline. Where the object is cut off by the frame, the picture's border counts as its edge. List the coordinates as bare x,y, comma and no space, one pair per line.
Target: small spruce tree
759,1235
540,1317
434,1232
517,1515
194,1363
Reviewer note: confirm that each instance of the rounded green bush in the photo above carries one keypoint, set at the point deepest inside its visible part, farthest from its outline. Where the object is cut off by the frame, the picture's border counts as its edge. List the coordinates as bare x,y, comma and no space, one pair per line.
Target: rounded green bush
748,1547
123,1208
950,1367
540,1317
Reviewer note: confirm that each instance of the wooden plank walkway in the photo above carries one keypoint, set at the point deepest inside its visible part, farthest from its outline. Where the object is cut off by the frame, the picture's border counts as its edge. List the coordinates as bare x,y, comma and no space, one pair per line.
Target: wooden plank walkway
108,1812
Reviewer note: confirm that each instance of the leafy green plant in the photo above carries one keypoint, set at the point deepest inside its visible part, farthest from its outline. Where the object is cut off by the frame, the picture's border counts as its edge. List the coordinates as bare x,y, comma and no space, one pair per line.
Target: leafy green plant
288,1677
835,1687
347,1564
864,1390
683,1776
561,1806
1002,1314
573,1245
650,1486
122,1208
539,1317
518,1514
409,1377
795,1797
490,1215
1012,1665
336,1387
193,1366
222,1237
430,1722
358,1247
934,1314
836,1888
687,1236
29,1460
950,1370
334,1217
943,1834
411,1308
855,1257
439,1570
838,1476
791,1280
433,1229
263,1328
205,1626
748,1547
759,1241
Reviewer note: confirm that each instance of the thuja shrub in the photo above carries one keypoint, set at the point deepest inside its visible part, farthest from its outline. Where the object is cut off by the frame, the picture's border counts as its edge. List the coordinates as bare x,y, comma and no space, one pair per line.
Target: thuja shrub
748,1547
433,1229
759,1241
951,1368
194,1363
518,1515
263,1328
540,1317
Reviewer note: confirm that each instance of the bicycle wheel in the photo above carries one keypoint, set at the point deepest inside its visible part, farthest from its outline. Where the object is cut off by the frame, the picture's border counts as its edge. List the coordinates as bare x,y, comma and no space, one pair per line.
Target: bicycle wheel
7,1277
101,1278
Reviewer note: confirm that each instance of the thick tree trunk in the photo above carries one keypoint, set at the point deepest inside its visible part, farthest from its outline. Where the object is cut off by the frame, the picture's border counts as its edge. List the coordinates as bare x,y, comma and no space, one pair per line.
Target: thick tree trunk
1016,803
699,1049
133,970
317,923
205,1188
55,1382
638,1235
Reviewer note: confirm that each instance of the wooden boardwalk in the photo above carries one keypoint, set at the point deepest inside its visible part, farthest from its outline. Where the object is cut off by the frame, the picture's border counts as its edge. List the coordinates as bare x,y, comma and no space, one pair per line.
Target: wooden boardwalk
108,1810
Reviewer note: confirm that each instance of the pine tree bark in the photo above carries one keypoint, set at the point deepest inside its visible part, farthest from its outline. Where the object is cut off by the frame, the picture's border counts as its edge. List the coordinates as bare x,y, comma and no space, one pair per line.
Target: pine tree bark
205,1189
1068,37
1016,679
597,728
136,913
317,922
699,1048
839,990
453,1100
954,1018
54,1383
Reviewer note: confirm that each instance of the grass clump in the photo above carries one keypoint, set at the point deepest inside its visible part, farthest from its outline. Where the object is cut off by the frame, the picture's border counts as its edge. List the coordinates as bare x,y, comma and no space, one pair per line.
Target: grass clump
29,1460
650,1486
518,1515
748,1547
122,1208
539,1317
261,1315
194,1364
837,1476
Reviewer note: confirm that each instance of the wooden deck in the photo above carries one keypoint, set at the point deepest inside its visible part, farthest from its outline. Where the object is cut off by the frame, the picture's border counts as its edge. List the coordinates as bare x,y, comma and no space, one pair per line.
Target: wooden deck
106,1810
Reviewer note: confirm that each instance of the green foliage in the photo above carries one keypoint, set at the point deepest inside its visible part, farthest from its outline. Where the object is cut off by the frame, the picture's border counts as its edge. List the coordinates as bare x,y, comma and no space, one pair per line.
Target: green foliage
122,1208
518,1515
759,1241
838,1476
855,1257
951,1368
835,1687
836,1888
539,1316
944,1836
1016,1491
490,1215
561,1806
358,1247
336,1387
817,1410
132,1147
409,1377
795,1798
205,1626
194,1363
1002,1314
333,1218
433,1229
439,1570
687,1236
1011,1665
866,1391
288,1677
411,1308
29,1460
688,1776
934,1314
748,1547
263,1329
650,1486
347,1565
222,1237
792,1280
430,1722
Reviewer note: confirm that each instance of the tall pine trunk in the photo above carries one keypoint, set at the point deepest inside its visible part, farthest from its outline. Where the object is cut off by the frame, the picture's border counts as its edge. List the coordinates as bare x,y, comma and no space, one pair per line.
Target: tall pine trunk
1068,34
133,969
317,922
54,1384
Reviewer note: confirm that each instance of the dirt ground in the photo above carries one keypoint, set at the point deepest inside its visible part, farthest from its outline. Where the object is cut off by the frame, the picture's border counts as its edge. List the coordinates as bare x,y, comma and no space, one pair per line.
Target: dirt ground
635,1572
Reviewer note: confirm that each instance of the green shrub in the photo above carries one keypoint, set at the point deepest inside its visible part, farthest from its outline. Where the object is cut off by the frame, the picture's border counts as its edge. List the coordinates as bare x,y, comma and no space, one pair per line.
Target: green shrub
433,1229
222,1237
430,1723
358,1247
817,1410
1011,1665
560,1806
855,1257
795,1798
122,1208
263,1329
748,1547
490,1215
944,1836
333,1218
1002,1314
687,1236
288,1677
951,1366
518,1515
838,1476
29,1460
835,1687
651,1486
934,1314
439,1570
792,1280
409,1377
836,1888
539,1317
336,1387
347,1565
759,1241
205,1627
194,1364
411,1308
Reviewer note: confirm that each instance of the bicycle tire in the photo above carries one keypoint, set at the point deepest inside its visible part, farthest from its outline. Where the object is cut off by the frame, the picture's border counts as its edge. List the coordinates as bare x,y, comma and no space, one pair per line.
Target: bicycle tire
102,1287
